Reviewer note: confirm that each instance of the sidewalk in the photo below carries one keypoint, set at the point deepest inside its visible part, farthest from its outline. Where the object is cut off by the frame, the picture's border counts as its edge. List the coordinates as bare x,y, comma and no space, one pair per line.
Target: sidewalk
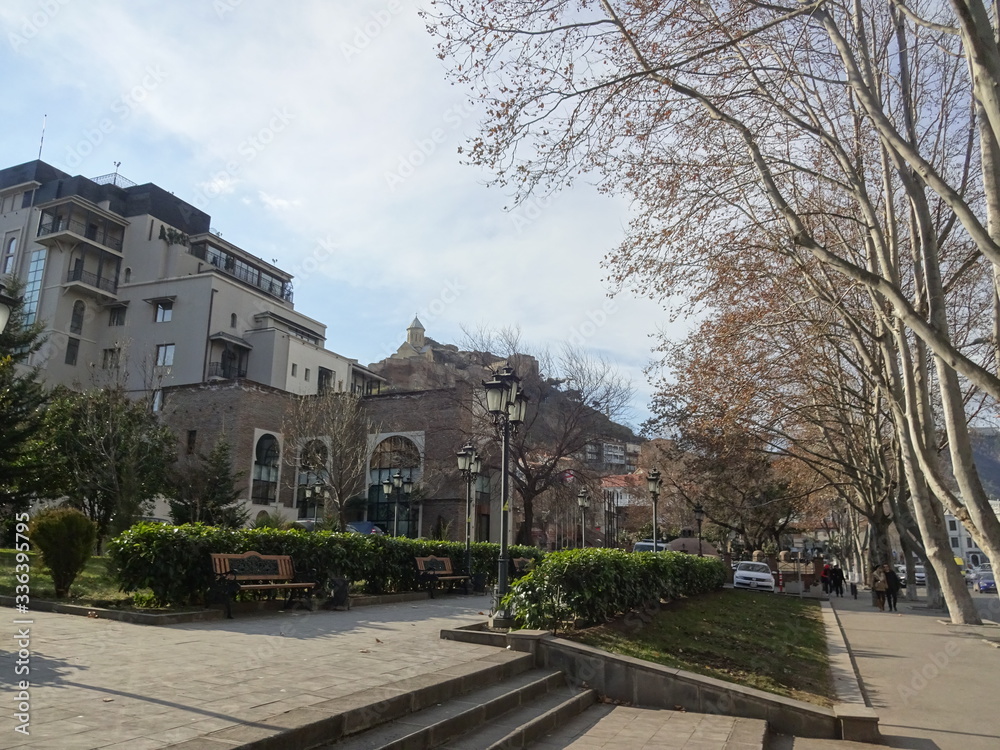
107,684
934,685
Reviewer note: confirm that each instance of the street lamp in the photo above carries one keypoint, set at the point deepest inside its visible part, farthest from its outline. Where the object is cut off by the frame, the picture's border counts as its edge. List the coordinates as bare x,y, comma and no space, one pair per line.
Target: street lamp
583,500
6,305
699,516
507,404
315,496
468,466
403,487
653,485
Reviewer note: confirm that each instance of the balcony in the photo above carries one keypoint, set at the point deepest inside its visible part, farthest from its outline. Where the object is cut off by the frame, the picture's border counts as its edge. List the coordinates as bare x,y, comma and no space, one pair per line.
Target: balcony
56,228
92,281
226,371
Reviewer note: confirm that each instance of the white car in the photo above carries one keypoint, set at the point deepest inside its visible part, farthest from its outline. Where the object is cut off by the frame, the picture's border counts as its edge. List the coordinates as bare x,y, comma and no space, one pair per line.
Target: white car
646,545
753,575
919,575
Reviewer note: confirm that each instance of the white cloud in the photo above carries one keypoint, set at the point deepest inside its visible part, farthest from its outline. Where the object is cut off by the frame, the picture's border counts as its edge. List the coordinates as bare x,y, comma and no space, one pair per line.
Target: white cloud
305,109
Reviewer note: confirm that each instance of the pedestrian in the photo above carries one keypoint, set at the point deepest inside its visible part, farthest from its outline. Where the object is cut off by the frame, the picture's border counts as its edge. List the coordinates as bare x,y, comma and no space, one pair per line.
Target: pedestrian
824,578
879,584
837,580
892,586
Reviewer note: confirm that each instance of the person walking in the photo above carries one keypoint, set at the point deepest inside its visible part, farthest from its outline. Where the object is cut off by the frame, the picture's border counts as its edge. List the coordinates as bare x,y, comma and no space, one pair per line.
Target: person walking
879,584
892,586
837,580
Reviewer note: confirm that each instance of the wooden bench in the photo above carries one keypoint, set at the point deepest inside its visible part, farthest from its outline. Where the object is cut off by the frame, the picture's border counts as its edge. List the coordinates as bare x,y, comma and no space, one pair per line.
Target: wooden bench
252,571
434,571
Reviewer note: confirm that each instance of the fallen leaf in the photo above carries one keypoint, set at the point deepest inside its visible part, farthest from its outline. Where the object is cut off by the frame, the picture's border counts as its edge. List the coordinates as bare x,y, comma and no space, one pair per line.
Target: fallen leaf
365,651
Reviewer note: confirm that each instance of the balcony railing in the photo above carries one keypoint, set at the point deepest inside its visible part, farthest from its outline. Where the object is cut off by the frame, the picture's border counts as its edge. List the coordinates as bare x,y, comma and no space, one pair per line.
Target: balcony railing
97,234
92,279
229,372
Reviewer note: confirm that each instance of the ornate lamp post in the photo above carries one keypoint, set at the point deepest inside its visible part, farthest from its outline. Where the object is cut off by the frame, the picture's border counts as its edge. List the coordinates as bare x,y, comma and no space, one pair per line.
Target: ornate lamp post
583,500
6,305
315,496
469,466
507,404
403,487
653,485
699,516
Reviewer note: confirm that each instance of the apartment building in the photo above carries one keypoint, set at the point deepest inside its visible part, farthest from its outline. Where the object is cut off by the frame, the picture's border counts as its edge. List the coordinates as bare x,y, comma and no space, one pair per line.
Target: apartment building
134,287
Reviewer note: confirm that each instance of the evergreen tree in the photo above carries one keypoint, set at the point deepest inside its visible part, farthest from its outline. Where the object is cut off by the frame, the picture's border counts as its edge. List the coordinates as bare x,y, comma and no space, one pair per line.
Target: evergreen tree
22,402
208,492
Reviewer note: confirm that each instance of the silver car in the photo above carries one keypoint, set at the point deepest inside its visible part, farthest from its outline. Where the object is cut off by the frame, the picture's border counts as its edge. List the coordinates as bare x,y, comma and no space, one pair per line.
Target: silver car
753,575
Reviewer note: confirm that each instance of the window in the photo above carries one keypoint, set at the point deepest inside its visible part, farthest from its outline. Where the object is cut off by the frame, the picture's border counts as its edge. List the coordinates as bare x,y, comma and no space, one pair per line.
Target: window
306,375
128,275
968,541
952,525
295,370
164,355
36,270
954,542
76,321
192,440
116,316
164,311
110,358
72,351
232,320
8,256
265,470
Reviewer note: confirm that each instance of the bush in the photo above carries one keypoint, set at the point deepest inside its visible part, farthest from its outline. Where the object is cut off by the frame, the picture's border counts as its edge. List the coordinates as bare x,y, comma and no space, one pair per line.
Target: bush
65,538
174,561
596,585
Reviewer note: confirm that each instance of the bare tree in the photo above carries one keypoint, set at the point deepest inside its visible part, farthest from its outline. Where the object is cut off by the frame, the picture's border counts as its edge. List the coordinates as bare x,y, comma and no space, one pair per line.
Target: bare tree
838,134
574,398
329,433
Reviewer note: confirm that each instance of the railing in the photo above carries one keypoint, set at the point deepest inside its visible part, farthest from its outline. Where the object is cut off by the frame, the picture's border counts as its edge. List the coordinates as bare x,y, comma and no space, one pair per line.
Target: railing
251,277
229,372
113,179
92,279
53,226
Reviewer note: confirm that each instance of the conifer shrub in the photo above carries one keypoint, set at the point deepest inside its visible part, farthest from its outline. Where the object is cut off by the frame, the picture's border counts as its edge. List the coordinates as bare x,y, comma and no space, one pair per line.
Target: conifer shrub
65,539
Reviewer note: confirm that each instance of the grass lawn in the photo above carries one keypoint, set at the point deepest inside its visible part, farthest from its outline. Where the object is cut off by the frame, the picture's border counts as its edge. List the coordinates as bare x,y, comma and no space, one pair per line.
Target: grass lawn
764,641
94,587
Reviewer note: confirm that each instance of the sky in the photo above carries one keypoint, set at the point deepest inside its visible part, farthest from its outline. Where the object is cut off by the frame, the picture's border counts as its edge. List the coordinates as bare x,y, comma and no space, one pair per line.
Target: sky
322,136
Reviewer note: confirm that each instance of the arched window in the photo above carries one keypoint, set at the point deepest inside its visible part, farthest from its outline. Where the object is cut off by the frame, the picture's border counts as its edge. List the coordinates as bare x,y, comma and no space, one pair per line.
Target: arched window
8,256
232,320
395,510
128,275
265,470
76,321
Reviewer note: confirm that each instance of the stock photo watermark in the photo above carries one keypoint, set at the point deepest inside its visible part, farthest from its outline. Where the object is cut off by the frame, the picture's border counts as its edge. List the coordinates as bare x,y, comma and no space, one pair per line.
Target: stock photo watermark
122,107
364,34
423,148
222,181
31,26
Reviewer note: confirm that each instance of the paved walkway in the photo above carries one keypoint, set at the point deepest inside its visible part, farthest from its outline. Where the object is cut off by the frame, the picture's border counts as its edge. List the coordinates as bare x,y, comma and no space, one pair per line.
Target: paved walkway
105,684
934,685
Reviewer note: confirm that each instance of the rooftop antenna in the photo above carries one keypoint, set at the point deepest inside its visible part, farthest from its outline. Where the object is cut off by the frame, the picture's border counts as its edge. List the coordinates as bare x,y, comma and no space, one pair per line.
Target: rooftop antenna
117,164
42,140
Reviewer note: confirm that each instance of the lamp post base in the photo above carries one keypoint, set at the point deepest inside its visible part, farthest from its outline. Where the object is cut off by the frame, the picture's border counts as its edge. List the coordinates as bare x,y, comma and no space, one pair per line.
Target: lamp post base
501,621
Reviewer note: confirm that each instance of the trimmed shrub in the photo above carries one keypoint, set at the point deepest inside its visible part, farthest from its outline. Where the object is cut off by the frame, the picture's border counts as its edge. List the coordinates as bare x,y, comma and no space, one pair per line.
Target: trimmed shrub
174,561
65,539
597,585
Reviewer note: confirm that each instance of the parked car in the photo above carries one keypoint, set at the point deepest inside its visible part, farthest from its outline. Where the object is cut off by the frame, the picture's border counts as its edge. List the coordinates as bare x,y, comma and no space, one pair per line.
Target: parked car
364,527
753,575
985,583
919,575
646,545
986,569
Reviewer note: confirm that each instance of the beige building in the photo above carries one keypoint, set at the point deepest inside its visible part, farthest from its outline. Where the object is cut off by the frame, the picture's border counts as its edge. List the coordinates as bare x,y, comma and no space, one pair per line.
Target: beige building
134,287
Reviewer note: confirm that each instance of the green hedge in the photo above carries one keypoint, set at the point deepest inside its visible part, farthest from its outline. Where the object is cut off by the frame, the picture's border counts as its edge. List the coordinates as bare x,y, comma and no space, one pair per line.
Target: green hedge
174,562
596,585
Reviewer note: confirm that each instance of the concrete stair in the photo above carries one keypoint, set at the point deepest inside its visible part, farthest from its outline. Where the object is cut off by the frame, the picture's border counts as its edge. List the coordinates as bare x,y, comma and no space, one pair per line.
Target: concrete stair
476,713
